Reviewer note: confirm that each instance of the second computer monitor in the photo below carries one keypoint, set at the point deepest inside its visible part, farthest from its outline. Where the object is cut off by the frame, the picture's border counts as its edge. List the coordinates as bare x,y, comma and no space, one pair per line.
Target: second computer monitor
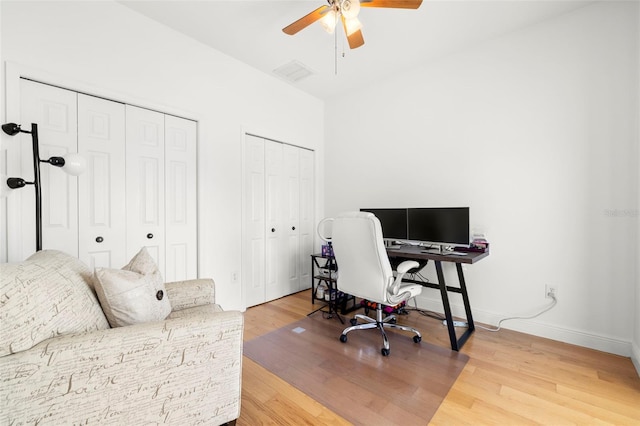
393,221
446,226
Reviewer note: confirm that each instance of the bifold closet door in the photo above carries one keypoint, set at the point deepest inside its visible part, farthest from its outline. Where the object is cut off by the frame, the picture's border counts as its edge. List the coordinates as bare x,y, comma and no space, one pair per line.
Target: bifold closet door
278,224
55,112
275,260
181,241
145,183
253,245
306,215
101,189
291,212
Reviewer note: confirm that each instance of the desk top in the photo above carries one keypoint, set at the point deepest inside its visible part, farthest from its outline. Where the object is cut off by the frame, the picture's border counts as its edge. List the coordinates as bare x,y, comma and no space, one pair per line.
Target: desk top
415,252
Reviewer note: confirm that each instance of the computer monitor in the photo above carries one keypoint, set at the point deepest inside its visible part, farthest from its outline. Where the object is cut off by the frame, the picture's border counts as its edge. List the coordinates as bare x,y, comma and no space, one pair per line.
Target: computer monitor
445,226
393,221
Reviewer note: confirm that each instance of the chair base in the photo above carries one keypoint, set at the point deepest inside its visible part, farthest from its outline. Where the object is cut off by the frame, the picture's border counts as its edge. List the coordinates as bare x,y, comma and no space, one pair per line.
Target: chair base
381,324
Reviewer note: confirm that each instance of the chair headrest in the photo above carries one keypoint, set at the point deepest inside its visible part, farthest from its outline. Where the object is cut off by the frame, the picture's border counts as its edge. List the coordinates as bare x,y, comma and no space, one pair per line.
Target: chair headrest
355,214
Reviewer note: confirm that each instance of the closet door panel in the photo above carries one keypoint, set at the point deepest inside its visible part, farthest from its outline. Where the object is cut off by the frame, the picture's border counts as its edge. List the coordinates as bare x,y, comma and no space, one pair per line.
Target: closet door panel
275,268
180,199
253,247
102,211
291,212
54,110
145,183
306,215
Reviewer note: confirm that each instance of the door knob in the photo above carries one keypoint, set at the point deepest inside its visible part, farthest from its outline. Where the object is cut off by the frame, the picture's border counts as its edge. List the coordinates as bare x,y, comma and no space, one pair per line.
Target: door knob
99,239
149,235
273,229
293,228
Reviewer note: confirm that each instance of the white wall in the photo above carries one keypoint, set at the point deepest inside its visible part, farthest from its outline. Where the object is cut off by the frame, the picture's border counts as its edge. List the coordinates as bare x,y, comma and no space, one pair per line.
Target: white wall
635,356
109,50
536,131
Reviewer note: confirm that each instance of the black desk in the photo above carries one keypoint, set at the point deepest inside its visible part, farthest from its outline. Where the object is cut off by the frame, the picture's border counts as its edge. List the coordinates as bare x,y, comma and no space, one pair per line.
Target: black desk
422,256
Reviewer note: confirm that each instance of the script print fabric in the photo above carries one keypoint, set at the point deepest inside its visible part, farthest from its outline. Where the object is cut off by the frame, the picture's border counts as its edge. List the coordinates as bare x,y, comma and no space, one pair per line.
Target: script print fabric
48,295
184,370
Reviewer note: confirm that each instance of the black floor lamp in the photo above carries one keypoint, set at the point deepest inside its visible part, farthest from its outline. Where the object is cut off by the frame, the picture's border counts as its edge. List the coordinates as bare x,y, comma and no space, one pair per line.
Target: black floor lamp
73,164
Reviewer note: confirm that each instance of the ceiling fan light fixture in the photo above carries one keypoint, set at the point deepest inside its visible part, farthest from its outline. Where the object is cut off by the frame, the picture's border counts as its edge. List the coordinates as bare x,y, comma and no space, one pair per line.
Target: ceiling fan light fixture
329,20
347,11
350,8
352,25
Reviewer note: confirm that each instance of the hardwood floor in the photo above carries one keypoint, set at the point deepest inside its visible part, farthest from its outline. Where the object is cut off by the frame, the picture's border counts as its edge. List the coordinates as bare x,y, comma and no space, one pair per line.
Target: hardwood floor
511,379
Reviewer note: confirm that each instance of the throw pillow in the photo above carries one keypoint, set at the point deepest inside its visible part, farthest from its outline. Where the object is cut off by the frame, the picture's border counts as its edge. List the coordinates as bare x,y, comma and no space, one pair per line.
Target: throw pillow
133,294
48,295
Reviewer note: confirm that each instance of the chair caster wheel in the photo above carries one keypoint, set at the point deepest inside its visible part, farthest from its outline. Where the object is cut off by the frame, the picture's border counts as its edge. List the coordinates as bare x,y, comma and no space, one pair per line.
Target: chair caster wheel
393,321
353,321
343,338
385,351
417,339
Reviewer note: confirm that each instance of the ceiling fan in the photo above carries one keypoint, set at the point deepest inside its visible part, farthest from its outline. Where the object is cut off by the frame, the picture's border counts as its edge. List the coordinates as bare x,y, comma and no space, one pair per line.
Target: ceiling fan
347,11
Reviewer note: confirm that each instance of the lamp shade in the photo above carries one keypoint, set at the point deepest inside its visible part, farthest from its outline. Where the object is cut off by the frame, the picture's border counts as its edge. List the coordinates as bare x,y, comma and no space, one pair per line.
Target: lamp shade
350,9
74,164
328,21
352,25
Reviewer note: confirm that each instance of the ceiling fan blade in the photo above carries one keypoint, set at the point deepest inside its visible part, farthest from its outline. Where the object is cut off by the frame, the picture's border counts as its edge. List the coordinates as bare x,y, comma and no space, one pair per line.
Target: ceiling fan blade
396,4
306,20
355,39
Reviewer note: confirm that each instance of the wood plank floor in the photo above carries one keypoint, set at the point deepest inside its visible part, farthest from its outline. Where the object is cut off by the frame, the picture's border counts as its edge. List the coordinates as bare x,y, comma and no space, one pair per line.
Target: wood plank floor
511,379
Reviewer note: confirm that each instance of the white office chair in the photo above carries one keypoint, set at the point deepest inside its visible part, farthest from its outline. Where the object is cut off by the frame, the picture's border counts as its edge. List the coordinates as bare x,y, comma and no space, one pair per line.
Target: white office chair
365,272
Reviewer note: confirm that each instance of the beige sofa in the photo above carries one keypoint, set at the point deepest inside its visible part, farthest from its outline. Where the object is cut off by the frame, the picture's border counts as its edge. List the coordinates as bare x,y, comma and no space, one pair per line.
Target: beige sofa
61,363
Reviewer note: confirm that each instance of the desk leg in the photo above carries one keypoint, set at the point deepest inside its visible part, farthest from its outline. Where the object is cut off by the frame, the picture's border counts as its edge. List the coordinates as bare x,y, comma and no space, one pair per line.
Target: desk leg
447,308
465,297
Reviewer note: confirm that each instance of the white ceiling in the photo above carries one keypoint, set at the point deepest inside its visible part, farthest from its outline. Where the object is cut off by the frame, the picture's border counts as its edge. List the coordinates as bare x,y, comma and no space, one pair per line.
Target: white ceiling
395,39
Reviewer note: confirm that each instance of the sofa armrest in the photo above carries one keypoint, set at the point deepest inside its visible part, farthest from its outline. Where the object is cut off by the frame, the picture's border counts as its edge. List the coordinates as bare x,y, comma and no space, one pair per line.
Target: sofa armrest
184,371
191,293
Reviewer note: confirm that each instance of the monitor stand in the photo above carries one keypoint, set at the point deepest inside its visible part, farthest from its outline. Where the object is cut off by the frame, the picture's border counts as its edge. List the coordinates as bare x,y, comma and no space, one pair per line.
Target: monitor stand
391,244
438,249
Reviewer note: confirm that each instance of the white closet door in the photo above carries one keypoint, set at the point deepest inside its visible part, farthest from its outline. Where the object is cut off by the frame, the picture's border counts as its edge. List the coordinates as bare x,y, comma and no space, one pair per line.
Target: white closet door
291,213
145,183
307,228
275,266
101,189
180,213
55,112
253,247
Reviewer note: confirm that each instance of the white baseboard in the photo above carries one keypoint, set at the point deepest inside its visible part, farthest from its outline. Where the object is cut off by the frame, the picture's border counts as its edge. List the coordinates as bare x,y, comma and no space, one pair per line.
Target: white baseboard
635,357
537,328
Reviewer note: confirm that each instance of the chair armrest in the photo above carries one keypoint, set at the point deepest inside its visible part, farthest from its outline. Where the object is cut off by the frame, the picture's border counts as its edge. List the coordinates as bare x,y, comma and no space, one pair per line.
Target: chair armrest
184,370
401,270
405,266
191,293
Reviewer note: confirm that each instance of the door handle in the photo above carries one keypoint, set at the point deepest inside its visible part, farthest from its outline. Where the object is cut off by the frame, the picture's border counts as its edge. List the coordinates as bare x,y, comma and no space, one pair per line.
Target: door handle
273,229
149,235
99,239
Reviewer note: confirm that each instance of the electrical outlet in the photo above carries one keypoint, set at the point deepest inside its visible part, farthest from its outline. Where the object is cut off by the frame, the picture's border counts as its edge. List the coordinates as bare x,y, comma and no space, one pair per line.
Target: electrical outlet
234,277
550,290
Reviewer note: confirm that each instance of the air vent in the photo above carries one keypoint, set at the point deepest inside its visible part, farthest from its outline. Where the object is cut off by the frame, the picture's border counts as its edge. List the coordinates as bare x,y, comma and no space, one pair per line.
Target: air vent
293,72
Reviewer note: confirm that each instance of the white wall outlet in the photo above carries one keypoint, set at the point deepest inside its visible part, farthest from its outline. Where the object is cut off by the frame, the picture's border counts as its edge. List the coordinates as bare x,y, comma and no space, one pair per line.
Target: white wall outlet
234,277
550,290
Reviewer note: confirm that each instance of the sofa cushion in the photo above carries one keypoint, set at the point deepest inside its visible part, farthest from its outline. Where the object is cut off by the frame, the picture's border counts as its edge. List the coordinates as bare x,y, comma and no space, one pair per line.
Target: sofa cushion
133,294
49,294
